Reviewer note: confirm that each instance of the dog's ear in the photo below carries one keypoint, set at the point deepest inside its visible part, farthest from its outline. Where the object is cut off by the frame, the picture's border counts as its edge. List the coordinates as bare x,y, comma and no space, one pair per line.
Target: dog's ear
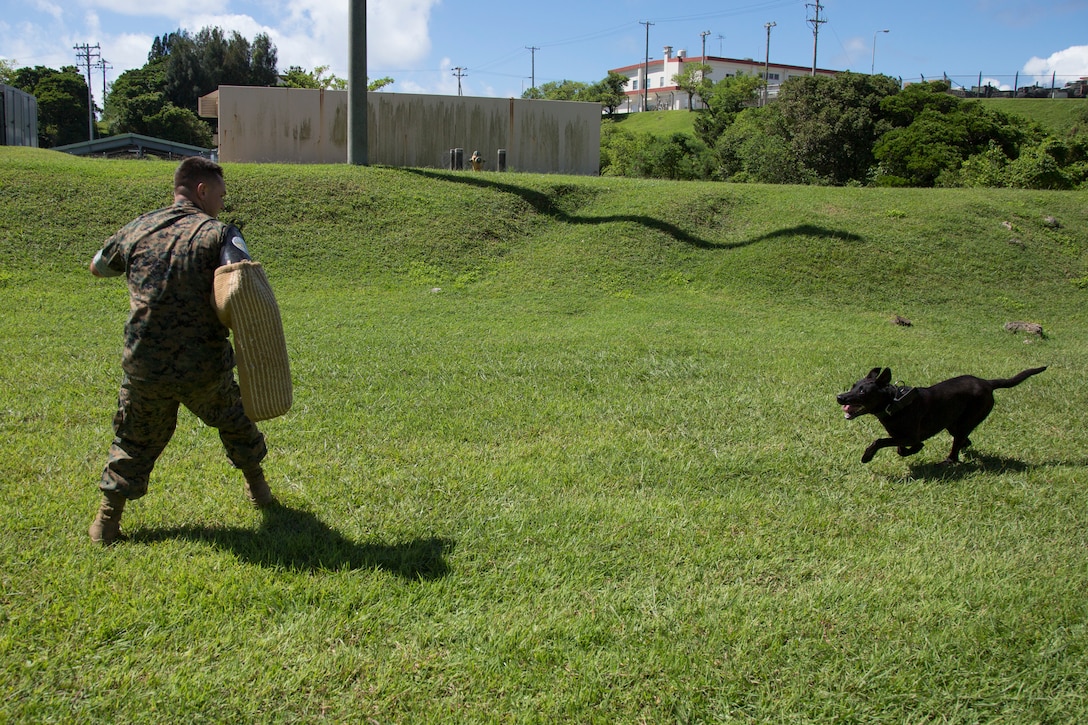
885,376
873,373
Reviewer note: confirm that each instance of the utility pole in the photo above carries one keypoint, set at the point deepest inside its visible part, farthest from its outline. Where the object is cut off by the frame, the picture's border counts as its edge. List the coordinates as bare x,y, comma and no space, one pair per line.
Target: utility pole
532,50
721,44
104,65
767,63
460,73
646,68
358,141
816,23
703,36
86,53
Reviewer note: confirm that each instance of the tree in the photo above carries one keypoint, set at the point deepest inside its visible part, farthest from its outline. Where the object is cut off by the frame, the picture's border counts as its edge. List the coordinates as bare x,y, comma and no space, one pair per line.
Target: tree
198,64
180,125
121,112
754,148
831,123
724,100
7,71
297,77
558,91
262,62
608,92
694,81
62,103
936,132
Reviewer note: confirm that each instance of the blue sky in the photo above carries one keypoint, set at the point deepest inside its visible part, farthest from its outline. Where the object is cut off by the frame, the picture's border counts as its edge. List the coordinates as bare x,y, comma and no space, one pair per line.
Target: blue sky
420,42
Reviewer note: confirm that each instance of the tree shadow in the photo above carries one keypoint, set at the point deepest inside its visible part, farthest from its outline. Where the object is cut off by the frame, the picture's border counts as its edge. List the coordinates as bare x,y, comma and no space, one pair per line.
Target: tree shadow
545,205
294,539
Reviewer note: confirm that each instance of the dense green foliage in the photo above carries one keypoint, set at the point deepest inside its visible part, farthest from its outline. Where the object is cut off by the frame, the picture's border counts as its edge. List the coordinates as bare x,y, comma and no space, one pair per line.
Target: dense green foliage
63,116
608,91
196,65
562,450
856,129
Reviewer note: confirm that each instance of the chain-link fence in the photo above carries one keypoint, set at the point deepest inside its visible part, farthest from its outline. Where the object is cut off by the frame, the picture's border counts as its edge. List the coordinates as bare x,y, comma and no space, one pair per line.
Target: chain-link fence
1017,85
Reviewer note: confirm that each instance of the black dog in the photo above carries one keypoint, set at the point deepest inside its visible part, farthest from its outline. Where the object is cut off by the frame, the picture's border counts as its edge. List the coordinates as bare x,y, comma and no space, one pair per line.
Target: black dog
911,415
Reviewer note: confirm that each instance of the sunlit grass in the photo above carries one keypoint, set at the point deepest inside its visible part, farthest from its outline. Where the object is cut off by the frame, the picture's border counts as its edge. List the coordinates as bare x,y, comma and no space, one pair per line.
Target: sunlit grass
561,450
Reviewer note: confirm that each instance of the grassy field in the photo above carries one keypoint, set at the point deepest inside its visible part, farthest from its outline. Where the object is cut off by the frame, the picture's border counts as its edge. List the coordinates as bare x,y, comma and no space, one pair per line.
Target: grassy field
562,449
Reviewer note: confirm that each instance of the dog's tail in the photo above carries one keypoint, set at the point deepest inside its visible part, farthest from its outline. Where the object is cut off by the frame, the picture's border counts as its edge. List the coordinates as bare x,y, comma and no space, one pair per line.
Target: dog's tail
1016,379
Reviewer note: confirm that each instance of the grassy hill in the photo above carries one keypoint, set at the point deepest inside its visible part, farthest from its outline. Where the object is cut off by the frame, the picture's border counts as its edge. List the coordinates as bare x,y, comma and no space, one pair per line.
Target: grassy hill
562,449
1058,115
659,123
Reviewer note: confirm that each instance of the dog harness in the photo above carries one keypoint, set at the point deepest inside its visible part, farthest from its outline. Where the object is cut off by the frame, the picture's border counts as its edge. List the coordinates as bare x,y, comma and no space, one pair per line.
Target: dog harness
902,396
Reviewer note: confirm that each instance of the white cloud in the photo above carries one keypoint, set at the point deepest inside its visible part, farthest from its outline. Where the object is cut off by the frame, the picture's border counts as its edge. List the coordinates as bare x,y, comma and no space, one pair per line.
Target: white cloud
1068,65
306,33
48,8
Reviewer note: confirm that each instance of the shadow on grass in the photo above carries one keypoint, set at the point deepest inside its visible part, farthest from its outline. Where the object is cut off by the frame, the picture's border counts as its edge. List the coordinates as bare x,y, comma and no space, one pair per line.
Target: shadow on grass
545,205
298,540
975,462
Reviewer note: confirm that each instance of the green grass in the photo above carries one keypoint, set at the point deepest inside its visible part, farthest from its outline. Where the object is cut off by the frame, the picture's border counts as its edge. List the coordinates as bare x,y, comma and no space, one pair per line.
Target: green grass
658,123
1056,115
562,449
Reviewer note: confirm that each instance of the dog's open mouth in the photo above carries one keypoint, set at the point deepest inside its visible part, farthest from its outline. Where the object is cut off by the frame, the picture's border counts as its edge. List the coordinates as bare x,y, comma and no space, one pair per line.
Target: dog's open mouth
853,411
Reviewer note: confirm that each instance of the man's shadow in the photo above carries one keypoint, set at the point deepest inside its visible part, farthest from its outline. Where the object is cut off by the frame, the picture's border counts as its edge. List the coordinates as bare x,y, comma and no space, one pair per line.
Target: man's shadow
293,539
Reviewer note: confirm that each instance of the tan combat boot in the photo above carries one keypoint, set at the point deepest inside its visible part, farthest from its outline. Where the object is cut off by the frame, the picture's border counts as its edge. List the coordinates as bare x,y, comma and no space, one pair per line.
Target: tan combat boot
257,490
106,527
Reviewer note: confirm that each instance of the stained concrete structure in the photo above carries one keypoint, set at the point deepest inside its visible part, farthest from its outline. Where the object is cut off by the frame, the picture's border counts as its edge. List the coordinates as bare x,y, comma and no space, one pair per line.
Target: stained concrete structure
18,117
299,125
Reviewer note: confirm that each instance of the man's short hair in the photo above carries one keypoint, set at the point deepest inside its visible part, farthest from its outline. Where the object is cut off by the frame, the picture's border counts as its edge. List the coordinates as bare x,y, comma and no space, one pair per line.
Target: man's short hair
196,170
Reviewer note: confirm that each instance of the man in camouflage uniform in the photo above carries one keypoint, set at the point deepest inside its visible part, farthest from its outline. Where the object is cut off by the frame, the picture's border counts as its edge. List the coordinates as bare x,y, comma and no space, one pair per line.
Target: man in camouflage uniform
176,352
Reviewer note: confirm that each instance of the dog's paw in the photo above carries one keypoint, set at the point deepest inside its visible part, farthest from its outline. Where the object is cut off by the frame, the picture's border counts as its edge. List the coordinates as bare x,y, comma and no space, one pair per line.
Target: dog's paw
867,455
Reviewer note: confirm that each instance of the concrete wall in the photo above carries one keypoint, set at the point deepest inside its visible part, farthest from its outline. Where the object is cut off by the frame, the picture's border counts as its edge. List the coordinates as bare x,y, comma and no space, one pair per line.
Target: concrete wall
296,125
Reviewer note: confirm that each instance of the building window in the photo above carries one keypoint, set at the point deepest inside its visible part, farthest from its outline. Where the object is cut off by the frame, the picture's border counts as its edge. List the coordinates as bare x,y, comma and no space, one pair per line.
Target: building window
634,84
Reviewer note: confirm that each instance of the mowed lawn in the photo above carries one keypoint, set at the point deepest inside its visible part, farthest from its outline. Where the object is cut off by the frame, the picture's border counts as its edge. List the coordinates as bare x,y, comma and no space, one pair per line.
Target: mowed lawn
562,450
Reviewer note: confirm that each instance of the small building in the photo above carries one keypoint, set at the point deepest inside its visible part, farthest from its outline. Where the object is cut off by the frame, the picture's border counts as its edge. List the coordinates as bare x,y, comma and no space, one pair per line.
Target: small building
18,117
655,79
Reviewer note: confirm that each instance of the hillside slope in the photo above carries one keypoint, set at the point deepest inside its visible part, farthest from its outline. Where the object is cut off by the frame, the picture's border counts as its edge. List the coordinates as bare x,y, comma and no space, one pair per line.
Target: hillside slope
507,232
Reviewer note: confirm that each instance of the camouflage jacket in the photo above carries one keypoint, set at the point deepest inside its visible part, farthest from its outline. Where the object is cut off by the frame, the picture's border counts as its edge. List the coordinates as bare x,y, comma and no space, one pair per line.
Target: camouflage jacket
169,257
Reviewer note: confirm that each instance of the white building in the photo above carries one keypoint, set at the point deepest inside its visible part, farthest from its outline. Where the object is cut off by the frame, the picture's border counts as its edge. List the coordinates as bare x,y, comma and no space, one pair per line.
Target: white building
655,79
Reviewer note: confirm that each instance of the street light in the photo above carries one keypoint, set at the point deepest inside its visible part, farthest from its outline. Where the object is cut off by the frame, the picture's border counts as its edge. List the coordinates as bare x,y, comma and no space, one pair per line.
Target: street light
872,69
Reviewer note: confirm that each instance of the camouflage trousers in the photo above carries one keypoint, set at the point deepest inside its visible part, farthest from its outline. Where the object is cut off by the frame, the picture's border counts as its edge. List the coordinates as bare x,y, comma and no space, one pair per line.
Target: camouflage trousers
147,415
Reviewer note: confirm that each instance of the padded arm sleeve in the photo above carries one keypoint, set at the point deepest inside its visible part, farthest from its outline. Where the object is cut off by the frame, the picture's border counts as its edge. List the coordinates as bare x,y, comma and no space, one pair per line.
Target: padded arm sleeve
244,302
